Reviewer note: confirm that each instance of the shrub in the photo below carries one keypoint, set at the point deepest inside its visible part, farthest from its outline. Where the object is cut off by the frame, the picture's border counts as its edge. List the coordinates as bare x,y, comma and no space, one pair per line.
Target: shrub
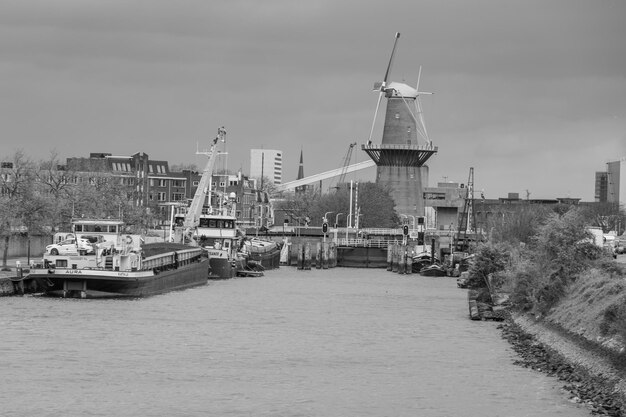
523,280
614,319
489,258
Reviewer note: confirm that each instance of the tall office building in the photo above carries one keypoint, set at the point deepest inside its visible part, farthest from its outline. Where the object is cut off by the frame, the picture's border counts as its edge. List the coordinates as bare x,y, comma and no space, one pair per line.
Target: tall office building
602,184
616,187
267,163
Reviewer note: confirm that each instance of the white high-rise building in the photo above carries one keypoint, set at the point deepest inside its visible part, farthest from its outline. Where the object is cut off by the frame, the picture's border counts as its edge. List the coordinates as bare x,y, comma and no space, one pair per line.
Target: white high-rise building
267,163
616,188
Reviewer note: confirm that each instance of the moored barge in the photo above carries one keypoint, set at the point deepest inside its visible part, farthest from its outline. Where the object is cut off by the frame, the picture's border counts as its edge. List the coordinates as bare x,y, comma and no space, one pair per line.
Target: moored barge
152,269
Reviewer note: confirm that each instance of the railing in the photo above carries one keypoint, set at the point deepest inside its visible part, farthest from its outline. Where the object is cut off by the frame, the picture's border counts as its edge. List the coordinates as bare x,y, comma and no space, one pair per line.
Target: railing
367,243
428,147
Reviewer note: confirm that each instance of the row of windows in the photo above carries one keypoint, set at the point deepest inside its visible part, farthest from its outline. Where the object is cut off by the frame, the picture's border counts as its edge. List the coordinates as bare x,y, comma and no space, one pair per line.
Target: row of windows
160,169
173,183
127,167
121,166
162,196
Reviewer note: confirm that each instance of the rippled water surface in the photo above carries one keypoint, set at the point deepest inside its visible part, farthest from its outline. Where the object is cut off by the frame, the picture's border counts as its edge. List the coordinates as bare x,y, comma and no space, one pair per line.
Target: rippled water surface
339,342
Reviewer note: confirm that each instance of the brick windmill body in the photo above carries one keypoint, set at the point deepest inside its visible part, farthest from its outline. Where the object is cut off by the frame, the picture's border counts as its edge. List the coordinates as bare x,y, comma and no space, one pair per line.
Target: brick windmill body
405,147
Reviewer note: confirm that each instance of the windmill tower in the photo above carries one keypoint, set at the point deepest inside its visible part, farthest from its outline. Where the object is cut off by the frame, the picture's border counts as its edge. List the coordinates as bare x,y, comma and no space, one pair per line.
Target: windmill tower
400,157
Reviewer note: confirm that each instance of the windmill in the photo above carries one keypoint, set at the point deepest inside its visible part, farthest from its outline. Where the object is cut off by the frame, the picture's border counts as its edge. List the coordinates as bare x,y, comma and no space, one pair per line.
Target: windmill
408,95
400,157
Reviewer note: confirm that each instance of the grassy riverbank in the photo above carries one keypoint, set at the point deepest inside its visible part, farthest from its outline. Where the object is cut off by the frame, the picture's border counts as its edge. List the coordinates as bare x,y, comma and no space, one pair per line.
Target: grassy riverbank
579,337
567,297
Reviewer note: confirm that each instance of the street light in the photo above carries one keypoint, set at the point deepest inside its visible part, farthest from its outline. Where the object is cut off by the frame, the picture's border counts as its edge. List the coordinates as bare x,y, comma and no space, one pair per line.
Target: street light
337,219
326,216
337,225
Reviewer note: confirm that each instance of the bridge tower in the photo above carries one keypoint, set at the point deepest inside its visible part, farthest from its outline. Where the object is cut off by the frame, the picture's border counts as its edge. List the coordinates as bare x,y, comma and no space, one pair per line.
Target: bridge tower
400,157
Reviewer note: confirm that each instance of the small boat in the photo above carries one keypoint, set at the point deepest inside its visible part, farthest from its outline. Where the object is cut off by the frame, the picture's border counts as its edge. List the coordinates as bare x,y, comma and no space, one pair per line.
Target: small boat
422,260
434,270
265,253
122,272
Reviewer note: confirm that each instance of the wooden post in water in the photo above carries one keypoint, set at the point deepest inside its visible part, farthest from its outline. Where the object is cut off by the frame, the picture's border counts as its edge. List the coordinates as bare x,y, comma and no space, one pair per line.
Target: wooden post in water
332,255
307,256
394,259
402,259
318,255
409,262
325,255
300,254
389,256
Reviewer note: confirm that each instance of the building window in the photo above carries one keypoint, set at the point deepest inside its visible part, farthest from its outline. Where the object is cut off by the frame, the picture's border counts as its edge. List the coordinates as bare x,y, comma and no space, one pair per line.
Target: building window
177,196
161,196
434,196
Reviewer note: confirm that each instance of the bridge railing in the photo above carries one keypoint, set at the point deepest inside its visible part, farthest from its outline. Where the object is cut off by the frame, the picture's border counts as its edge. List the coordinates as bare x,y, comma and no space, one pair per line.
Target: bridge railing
367,243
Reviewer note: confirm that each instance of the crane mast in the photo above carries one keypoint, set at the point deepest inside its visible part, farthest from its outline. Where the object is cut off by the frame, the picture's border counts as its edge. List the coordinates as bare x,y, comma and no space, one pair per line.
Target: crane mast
192,217
467,220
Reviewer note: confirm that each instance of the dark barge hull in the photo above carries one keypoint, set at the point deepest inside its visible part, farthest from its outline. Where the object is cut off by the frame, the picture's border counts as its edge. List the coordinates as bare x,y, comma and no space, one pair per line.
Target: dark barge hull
115,284
362,257
221,268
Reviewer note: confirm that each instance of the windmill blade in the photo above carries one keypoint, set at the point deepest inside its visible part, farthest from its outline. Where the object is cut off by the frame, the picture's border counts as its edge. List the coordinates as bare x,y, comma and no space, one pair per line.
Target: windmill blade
393,51
419,75
380,97
381,86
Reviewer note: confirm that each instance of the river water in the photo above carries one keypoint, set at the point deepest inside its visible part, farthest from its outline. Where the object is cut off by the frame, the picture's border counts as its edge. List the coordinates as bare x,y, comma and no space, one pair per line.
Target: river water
337,342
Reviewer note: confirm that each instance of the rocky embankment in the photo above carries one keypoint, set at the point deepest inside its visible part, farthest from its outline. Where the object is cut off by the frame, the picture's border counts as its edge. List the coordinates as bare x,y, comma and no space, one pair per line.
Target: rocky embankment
593,375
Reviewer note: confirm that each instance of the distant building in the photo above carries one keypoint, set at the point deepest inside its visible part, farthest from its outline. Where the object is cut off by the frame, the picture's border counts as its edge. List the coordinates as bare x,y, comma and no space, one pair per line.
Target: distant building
446,202
267,163
616,185
149,180
151,183
602,186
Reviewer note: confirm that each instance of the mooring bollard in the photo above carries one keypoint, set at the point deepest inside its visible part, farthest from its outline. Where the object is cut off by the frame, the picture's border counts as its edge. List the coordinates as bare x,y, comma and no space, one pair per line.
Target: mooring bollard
20,278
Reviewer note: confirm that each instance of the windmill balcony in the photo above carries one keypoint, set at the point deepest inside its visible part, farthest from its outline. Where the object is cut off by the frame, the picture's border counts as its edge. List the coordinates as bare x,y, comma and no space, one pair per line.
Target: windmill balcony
399,154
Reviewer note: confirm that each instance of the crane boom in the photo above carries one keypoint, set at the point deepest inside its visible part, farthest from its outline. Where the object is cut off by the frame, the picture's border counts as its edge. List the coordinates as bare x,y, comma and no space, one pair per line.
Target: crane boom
192,218
346,162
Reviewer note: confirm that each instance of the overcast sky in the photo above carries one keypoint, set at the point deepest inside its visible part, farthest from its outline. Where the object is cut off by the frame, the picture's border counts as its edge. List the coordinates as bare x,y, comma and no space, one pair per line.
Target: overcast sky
531,93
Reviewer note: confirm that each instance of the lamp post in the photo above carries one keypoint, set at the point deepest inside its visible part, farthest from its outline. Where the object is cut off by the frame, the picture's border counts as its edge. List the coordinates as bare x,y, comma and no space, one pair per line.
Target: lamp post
337,225
337,219
325,219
